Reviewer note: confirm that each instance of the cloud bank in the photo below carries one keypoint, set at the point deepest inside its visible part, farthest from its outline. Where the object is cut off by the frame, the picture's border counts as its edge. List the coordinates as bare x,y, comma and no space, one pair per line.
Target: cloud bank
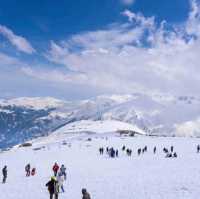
140,55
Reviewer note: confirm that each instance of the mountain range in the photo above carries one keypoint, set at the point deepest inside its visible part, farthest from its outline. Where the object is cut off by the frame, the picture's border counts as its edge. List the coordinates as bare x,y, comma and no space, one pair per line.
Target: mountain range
26,118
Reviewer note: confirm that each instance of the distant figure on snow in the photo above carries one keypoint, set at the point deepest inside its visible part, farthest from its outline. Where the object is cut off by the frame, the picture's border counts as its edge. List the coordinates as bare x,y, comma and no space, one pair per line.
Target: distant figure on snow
139,151
165,150
55,169
175,155
33,171
85,194
5,174
28,170
116,153
198,148
61,179
123,148
154,150
63,171
168,155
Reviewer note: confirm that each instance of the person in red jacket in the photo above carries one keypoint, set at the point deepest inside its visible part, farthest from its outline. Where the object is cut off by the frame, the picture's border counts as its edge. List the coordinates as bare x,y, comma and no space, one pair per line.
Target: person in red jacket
55,169
33,171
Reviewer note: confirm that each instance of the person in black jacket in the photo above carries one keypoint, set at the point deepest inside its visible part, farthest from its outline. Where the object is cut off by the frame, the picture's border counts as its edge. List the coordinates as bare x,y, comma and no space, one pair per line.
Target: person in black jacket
53,188
28,170
86,195
5,174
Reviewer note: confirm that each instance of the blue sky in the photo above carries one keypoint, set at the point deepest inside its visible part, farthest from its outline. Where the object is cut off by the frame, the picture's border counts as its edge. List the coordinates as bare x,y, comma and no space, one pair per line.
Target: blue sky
79,49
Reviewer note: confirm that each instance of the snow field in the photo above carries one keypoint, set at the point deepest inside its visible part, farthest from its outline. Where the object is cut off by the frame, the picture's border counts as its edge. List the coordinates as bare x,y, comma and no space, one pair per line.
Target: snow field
146,177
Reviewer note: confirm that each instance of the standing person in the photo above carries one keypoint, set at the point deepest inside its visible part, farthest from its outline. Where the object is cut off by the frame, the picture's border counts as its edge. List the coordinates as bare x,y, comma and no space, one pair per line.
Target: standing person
61,179
51,187
117,153
198,148
5,174
28,170
55,169
85,194
63,171
154,150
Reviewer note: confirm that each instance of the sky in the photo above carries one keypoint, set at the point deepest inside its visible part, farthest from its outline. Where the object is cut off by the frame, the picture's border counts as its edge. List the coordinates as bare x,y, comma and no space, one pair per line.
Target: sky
78,49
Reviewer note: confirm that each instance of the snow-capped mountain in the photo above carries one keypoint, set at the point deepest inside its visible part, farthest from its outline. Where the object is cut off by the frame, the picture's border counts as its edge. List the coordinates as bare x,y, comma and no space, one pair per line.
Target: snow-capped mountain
22,119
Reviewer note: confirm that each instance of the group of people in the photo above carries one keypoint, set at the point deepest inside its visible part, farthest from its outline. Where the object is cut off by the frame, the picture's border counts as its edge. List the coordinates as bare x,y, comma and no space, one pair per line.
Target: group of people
56,182
110,151
170,152
141,150
128,151
29,171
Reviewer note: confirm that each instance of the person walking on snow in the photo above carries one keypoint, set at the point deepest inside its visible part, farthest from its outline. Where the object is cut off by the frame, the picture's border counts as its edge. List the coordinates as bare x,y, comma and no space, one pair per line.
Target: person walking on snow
28,170
53,188
154,150
198,148
55,169
5,174
85,194
63,171
61,179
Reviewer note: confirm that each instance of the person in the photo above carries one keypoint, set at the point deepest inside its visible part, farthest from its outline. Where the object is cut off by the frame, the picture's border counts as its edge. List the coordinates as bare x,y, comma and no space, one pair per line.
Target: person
53,188
139,151
198,148
63,171
145,149
175,155
33,171
61,179
28,170
116,153
123,148
112,153
154,150
55,169
85,194
165,150
5,174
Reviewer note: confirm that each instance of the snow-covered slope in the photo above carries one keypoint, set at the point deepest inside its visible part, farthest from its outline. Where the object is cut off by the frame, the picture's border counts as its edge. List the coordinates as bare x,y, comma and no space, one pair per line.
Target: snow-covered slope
140,177
107,126
22,119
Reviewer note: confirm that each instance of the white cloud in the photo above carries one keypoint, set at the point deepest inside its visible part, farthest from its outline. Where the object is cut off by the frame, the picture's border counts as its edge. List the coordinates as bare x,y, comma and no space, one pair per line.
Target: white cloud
189,128
138,56
54,75
6,60
18,41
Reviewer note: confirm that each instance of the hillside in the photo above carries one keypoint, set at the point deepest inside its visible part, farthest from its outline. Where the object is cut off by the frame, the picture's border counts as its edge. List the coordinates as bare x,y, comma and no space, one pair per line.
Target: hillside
23,119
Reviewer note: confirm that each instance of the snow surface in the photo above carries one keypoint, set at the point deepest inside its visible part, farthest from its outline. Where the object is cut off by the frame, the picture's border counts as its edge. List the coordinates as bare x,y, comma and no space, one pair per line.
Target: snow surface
146,177
85,127
101,126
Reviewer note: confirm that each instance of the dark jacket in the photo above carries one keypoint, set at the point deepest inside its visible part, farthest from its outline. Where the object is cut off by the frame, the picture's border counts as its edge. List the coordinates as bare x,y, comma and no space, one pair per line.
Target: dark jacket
5,172
86,196
51,186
